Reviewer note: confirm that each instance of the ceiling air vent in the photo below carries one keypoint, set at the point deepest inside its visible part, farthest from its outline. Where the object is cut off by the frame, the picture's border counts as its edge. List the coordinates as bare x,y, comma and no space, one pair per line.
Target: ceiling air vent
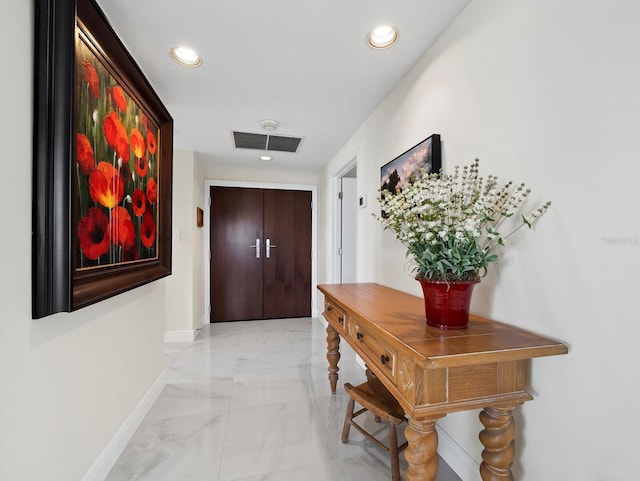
283,144
279,143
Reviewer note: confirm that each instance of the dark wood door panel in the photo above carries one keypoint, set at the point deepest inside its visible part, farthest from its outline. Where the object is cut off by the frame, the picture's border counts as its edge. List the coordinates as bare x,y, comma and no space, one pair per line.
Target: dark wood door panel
287,269
236,272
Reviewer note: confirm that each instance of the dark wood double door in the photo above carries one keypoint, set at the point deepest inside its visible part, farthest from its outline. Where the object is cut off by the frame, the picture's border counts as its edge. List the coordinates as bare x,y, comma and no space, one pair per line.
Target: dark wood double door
260,253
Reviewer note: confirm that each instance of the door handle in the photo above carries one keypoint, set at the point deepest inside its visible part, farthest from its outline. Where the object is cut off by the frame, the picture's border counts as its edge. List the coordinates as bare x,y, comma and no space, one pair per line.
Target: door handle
269,247
257,247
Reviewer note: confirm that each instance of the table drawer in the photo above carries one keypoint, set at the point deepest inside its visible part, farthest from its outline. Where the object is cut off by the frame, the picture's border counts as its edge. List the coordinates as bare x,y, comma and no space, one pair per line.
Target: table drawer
378,353
336,316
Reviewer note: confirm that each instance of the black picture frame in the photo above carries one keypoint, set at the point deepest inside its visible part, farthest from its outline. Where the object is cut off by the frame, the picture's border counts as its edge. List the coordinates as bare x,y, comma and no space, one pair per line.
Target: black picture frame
426,154
57,284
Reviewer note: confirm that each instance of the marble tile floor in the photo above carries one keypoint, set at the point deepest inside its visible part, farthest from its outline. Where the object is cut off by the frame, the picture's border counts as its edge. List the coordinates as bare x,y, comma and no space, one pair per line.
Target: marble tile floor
250,401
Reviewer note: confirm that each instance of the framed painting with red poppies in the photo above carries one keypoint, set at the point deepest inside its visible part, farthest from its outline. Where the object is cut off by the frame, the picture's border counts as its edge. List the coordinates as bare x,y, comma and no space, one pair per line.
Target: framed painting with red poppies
102,164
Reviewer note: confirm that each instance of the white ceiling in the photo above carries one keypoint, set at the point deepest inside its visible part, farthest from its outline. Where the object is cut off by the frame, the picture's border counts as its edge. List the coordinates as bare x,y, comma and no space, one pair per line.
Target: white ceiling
304,63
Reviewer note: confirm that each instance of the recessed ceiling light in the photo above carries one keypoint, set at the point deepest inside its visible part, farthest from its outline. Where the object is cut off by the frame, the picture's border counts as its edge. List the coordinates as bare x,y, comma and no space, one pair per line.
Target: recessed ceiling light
383,36
186,56
265,158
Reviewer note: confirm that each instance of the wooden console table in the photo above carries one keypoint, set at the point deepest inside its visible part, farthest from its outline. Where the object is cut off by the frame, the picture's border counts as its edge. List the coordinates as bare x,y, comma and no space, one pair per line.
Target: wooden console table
432,372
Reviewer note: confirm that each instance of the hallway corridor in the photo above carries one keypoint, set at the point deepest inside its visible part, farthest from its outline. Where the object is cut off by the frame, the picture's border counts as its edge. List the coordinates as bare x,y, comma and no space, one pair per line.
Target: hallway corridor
250,401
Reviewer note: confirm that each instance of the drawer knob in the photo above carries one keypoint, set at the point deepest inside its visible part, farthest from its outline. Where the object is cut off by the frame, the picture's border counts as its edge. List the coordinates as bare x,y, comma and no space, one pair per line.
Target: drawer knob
341,320
359,336
384,359
329,308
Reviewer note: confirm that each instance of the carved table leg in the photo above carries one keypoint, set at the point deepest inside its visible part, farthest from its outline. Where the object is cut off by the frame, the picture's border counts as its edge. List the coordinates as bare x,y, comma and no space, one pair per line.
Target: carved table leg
333,356
499,446
421,453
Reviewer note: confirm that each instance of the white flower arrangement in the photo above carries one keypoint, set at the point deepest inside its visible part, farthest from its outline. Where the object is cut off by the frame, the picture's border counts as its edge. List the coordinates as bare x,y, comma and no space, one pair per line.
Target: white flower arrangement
451,224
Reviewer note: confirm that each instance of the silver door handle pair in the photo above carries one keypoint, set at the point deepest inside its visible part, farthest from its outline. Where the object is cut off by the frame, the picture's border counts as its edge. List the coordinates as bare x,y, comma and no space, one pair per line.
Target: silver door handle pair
268,248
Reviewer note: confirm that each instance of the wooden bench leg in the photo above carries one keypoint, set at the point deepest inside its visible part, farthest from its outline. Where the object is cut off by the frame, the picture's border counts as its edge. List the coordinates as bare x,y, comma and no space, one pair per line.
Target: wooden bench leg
347,421
393,452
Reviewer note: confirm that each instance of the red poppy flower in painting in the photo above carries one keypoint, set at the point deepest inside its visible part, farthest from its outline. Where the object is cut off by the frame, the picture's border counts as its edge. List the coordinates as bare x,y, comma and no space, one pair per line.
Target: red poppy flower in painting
93,235
152,191
148,230
91,78
106,185
152,145
137,143
142,166
84,154
116,135
121,228
139,203
117,94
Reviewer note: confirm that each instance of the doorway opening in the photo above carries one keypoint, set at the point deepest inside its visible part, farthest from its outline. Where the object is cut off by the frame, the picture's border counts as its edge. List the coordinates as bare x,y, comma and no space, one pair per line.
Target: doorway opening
259,185
260,253
346,224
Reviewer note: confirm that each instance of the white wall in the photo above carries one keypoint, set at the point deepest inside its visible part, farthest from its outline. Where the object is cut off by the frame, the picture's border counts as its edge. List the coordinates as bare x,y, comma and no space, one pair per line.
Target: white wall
261,173
543,92
197,188
68,381
184,306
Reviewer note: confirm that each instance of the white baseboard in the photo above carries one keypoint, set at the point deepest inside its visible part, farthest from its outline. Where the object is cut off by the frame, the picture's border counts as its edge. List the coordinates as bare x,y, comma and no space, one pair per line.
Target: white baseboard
457,458
201,323
100,468
185,335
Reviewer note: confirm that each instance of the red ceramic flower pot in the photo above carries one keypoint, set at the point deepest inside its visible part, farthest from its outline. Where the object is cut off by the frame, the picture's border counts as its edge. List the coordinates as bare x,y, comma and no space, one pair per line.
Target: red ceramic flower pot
447,304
